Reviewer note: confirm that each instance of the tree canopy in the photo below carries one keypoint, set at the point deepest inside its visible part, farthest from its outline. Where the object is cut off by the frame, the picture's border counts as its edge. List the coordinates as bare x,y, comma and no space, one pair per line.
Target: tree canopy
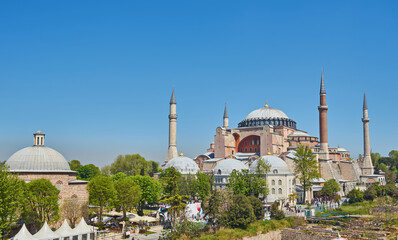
41,202
128,193
133,165
306,167
101,192
330,188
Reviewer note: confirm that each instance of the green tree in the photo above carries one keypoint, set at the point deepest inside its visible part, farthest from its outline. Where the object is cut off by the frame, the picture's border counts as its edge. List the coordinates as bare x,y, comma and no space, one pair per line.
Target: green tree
187,185
330,188
203,185
375,158
276,213
150,189
257,206
11,198
393,154
87,172
214,208
248,184
41,202
355,195
128,193
390,177
306,167
131,165
118,176
101,192
106,170
240,212
74,165
169,178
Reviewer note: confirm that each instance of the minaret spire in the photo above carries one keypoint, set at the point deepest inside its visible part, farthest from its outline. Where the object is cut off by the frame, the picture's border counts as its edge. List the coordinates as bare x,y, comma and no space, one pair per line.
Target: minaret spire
323,89
172,152
367,168
225,118
323,123
365,104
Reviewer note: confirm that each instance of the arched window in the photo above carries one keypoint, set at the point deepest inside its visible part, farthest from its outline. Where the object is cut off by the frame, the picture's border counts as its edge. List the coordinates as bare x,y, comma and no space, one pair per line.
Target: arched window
74,199
280,182
219,172
59,184
275,171
273,191
279,190
273,182
294,182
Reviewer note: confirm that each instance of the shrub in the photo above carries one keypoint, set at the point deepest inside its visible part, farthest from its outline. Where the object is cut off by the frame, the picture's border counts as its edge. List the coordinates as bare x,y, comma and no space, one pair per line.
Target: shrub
275,212
258,208
240,213
355,195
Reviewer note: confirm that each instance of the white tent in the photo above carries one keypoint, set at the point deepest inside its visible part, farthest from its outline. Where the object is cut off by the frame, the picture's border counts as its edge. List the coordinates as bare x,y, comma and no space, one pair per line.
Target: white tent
45,233
64,230
82,228
23,234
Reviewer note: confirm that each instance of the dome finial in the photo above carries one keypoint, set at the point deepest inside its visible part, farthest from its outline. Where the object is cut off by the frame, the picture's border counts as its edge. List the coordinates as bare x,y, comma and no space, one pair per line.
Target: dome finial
181,154
266,103
268,153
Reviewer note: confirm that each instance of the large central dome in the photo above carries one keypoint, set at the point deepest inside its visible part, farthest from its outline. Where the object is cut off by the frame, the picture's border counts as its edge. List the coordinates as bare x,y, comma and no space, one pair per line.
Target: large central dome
38,158
267,116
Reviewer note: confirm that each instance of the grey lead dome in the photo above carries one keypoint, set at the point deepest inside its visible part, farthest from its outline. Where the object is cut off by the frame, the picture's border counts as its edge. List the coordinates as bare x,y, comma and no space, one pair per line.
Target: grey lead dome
38,159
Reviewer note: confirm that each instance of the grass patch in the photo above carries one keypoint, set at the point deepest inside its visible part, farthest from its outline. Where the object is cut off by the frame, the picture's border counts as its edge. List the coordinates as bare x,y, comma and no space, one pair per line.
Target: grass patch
148,232
359,208
252,230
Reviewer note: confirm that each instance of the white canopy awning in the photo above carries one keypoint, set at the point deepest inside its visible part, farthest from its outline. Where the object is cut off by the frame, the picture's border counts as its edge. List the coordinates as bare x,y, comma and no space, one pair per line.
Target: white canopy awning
23,234
65,230
82,228
45,233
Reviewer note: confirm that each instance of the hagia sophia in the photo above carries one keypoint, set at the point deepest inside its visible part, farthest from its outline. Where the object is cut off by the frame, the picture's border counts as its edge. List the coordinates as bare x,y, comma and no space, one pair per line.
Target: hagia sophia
269,133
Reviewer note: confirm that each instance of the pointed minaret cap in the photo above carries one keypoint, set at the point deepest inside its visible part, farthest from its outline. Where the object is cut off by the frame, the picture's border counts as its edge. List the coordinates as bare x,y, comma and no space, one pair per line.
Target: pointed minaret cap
266,103
225,111
173,98
323,89
365,104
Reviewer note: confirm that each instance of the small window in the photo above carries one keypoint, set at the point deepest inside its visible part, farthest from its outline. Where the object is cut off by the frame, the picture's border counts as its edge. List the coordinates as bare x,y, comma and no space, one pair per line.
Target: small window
273,182
275,171
219,171
250,149
280,191
273,191
280,182
59,184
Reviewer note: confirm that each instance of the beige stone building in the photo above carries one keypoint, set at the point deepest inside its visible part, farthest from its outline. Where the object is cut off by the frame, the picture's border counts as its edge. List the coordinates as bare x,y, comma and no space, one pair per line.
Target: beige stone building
39,161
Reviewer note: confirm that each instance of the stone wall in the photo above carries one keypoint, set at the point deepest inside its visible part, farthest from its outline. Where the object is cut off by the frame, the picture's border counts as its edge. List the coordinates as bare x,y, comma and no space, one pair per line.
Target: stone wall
62,182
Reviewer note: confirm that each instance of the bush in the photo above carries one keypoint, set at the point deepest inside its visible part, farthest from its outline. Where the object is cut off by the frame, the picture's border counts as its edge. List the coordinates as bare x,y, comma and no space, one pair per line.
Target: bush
276,213
258,208
355,195
370,194
240,213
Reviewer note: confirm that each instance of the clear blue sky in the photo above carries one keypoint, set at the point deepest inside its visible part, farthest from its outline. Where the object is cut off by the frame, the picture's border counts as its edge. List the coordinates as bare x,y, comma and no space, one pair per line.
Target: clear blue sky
96,76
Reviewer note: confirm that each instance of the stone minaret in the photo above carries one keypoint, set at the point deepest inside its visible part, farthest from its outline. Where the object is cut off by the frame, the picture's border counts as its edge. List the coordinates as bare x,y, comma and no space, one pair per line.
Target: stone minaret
225,118
367,168
172,152
323,123
38,139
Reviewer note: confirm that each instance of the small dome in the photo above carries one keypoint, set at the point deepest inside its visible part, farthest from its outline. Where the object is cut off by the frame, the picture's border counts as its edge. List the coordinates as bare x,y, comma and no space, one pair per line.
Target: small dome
341,149
183,164
37,159
227,166
278,166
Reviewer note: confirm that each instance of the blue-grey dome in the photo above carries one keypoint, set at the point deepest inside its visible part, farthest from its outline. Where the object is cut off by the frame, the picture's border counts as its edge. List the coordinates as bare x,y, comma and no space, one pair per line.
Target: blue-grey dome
227,166
267,116
278,166
37,159
183,164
